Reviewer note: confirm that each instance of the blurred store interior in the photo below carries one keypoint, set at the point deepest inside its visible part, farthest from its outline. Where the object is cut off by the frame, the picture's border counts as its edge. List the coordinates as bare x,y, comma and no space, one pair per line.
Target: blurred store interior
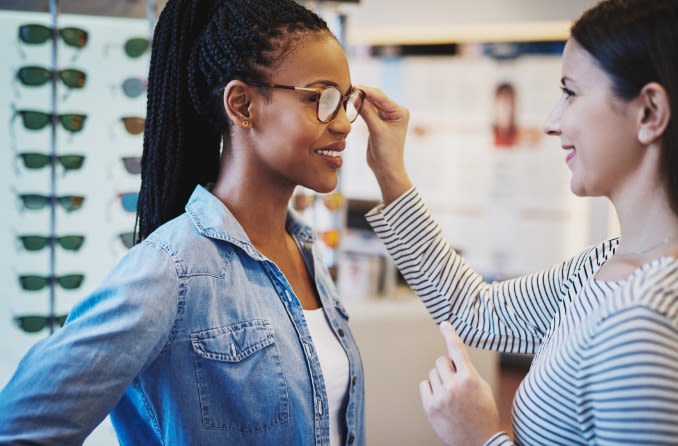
503,200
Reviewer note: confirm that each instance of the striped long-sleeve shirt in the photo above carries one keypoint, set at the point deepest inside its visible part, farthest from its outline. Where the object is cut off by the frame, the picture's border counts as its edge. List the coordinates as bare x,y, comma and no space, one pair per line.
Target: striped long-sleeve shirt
605,370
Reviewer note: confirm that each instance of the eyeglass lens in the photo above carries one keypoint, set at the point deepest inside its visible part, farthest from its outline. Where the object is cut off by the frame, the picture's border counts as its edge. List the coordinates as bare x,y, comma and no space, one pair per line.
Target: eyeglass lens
38,242
127,239
134,86
35,323
34,34
32,76
136,46
129,201
37,201
132,164
35,160
134,124
34,282
331,99
37,120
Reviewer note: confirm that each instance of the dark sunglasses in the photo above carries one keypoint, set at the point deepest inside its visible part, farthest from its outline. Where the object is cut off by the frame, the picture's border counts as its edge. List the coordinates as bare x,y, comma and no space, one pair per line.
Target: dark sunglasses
129,200
33,76
37,120
132,164
134,86
35,160
38,201
35,34
34,282
127,239
136,46
134,124
34,323
38,242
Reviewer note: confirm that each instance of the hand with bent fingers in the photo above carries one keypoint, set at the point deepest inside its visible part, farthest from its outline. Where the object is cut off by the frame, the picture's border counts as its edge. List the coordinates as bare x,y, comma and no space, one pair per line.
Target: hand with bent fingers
387,124
457,401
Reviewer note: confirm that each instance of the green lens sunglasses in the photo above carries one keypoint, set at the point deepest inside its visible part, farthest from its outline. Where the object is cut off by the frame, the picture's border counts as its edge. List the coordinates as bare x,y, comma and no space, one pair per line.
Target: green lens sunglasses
34,34
34,76
35,323
37,201
38,242
37,120
127,239
35,160
34,282
136,46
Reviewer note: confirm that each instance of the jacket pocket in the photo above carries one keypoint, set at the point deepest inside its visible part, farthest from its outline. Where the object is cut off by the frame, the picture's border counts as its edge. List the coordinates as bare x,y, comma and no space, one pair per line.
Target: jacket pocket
240,379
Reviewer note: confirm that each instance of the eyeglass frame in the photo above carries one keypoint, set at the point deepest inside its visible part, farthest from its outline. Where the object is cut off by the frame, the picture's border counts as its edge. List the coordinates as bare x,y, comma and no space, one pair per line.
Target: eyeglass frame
317,90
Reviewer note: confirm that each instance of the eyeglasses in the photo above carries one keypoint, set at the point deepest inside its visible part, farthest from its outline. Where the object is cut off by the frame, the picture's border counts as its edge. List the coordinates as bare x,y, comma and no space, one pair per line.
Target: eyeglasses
129,200
127,239
34,282
136,46
132,164
134,86
35,160
38,242
37,201
37,120
34,34
35,323
328,100
134,124
33,76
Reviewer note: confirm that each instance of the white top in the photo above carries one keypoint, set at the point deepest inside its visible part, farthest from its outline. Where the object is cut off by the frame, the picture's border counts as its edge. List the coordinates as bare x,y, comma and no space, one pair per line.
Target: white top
334,365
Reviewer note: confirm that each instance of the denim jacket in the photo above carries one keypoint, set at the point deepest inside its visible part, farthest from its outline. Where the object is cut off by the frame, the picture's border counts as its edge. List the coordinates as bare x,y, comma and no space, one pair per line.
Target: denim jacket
195,338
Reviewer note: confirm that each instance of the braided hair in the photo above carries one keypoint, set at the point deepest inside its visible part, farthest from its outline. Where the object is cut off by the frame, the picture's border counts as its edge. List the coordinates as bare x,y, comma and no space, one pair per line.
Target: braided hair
198,47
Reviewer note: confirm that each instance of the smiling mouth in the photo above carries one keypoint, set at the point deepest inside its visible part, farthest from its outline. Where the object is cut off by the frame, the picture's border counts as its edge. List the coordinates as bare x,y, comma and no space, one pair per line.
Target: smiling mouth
330,153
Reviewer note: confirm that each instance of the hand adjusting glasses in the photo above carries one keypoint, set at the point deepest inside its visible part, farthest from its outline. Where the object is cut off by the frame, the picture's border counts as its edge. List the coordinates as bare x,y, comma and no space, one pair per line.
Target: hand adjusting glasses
328,99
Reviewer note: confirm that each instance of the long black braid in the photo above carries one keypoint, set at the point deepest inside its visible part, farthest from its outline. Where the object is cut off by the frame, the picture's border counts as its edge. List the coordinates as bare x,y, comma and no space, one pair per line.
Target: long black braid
198,47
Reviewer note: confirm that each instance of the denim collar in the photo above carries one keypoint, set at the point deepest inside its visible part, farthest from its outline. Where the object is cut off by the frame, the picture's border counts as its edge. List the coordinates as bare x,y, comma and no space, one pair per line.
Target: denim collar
213,219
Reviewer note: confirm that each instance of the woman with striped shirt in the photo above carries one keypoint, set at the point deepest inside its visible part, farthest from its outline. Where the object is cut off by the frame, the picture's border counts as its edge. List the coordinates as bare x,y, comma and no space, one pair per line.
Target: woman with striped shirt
603,325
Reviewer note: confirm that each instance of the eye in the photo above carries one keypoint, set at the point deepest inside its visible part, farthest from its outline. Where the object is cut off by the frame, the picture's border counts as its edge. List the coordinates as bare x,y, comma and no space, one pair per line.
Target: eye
567,92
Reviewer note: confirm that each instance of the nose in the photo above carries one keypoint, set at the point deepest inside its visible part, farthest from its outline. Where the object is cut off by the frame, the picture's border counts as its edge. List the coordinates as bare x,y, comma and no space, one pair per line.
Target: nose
552,124
340,124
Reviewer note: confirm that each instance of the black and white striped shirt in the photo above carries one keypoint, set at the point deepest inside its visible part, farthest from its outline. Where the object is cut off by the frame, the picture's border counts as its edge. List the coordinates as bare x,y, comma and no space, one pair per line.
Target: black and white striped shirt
605,370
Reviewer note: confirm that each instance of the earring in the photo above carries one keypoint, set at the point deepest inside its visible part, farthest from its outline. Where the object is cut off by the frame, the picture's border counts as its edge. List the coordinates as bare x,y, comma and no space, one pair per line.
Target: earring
245,123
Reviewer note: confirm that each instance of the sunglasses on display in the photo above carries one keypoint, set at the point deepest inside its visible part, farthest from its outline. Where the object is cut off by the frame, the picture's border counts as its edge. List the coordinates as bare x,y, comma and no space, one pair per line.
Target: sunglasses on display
328,100
37,120
35,160
134,124
129,200
38,242
34,282
134,86
34,76
38,201
330,237
34,34
136,46
35,323
132,164
127,239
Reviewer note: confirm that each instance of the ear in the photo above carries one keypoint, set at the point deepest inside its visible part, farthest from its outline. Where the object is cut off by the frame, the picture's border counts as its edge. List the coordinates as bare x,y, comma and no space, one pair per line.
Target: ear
655,113
237,101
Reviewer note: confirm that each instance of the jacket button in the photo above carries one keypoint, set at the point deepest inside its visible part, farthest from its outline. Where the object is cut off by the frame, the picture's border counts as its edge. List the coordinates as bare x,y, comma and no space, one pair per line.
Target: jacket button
351,439
355,380
341,332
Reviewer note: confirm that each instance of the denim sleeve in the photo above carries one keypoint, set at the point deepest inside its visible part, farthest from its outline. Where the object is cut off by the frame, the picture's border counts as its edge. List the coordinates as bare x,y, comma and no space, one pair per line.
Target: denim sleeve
67,383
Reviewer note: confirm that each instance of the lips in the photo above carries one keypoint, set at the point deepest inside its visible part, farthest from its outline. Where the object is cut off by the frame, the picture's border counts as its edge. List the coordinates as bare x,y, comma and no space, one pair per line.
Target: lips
571,152
332,154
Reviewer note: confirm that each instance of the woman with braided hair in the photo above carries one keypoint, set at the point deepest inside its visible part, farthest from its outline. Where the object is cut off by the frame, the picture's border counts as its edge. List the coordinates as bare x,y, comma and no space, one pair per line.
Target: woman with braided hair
222,325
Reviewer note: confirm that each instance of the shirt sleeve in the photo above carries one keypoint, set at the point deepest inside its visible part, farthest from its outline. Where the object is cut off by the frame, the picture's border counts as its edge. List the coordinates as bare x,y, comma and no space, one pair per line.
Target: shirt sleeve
629,371
509,316
67,383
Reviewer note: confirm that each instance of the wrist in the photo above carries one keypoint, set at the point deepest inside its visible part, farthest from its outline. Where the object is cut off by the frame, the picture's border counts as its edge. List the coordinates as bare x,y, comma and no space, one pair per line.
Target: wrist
393,187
